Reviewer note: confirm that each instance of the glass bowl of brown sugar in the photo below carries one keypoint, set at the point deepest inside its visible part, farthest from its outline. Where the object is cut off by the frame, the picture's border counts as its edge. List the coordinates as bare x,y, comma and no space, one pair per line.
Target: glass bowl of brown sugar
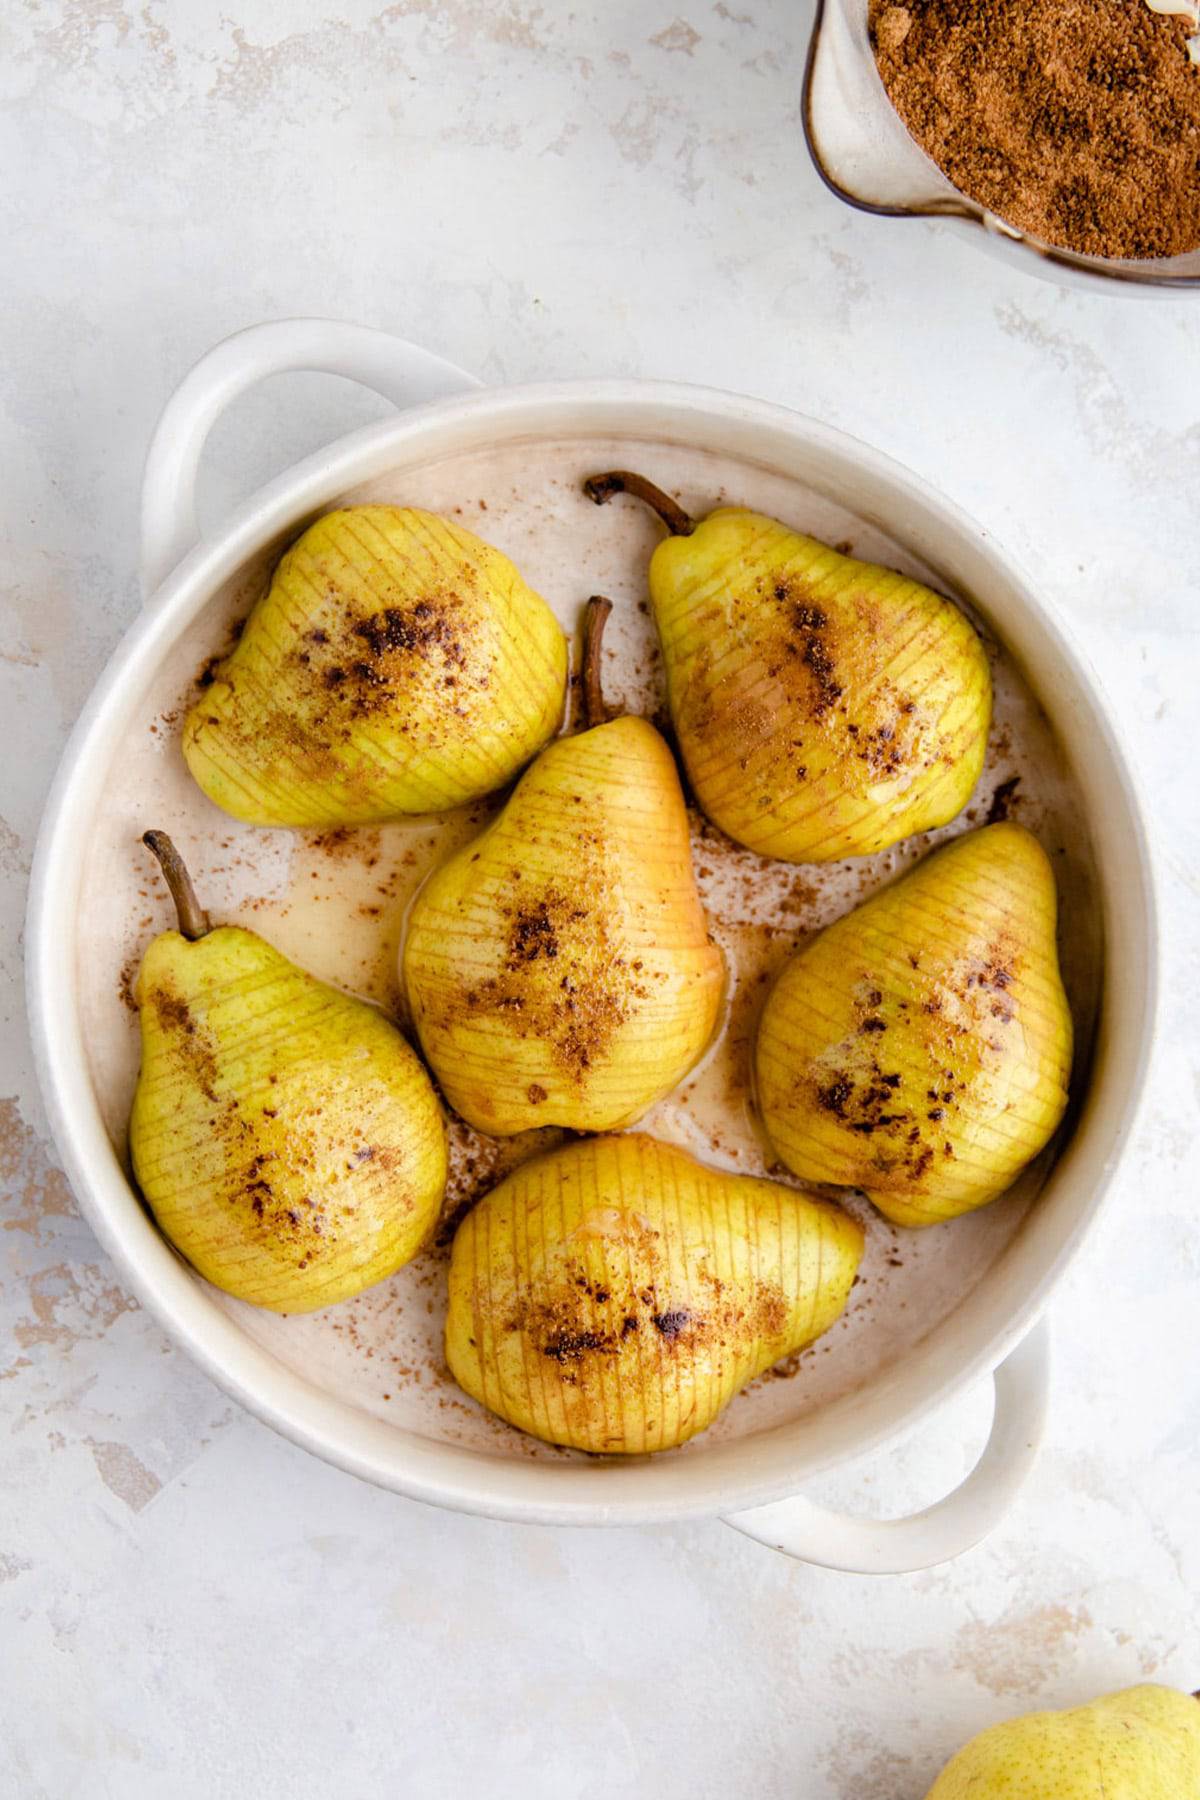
1062,134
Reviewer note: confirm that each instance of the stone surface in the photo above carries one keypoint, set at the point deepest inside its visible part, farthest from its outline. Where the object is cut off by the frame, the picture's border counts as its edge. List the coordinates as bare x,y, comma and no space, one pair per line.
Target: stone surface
192,1606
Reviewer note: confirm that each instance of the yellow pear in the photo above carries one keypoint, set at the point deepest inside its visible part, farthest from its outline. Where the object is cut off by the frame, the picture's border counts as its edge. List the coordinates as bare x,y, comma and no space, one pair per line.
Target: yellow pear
1143,1744
920,1048
396,665
559,969
615,1295
286,1138
824,707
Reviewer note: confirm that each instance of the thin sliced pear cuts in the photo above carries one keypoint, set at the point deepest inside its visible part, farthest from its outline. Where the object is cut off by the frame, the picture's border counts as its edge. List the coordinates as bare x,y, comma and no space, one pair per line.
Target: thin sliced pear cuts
559,969
920,1048
616,1294
396,665
286,1138
1143,1744
824,707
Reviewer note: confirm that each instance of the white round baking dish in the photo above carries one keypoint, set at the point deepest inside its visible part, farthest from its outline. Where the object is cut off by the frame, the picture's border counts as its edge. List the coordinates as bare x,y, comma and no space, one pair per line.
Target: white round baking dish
751,1481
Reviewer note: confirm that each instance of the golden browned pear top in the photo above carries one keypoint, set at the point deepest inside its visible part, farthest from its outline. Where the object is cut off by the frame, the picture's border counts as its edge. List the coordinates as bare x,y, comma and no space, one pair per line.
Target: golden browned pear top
920,1047
397,664
824,706
616,1293
284,1134
559,969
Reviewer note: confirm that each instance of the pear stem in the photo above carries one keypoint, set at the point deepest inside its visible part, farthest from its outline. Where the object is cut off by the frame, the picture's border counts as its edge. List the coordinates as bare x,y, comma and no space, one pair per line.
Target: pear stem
601,488
193,920
596,710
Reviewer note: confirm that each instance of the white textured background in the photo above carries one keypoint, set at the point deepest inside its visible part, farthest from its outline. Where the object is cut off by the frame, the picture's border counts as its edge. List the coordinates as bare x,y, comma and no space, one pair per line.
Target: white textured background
191,1607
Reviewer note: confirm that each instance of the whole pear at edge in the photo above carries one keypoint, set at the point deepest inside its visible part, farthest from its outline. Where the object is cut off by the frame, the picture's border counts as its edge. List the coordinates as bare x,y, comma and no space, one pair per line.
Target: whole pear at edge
824,707
920,1047
396,665
558,968
615,1294
286,1138
1142,1744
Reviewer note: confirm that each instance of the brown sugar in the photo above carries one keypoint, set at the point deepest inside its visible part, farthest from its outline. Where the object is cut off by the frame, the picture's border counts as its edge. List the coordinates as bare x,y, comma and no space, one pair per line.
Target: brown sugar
1077,121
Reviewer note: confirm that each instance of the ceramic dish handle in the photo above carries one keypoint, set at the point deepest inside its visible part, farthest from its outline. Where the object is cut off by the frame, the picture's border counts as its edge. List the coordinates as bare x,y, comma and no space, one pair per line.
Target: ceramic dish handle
813,1534
403,373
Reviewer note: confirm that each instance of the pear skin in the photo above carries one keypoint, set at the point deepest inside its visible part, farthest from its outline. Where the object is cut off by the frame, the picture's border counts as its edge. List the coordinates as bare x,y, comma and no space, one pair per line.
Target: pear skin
1143,1744
397,665
824,707
920,1047
559,969
615,1295
286,1138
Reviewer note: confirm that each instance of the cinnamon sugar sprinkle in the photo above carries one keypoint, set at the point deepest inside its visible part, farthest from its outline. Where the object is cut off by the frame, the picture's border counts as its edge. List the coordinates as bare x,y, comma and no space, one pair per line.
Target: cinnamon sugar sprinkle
1077,121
